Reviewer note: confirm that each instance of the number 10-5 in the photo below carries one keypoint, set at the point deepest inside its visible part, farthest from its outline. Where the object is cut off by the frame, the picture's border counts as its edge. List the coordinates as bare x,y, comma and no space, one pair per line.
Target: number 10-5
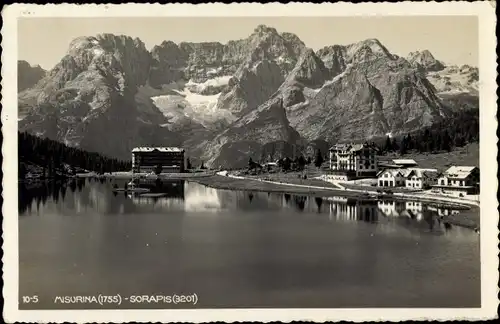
30,299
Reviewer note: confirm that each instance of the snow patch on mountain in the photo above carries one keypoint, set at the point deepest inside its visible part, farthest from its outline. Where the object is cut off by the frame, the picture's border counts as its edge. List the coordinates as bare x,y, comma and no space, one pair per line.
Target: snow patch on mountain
455,80
200,108
216,82
98,51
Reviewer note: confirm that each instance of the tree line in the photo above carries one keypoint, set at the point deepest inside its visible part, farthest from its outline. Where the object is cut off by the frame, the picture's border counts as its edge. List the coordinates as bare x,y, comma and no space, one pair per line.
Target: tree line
461,129
288,164
57,159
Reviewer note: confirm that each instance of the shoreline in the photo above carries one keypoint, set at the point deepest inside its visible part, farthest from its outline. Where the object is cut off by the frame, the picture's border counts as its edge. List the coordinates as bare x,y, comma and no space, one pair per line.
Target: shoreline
468,216
231,182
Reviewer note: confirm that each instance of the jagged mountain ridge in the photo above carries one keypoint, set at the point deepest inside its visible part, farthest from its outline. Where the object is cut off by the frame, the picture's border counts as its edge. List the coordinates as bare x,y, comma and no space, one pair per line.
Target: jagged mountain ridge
109,94
27,75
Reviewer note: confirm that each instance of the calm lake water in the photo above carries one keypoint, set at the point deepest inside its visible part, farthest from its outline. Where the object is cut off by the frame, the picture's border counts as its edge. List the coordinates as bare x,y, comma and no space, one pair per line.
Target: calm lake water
239,249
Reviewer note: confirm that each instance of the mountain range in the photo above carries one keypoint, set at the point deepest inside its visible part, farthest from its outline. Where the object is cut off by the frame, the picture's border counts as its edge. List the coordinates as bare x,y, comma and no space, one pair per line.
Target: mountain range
226,102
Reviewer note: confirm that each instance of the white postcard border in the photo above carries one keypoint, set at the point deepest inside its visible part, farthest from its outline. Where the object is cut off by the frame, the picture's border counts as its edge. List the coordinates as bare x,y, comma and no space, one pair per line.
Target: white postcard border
488,152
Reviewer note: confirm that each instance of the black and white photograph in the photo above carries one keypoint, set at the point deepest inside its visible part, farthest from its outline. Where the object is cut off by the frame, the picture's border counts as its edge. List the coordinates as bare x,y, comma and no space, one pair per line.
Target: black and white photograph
210,158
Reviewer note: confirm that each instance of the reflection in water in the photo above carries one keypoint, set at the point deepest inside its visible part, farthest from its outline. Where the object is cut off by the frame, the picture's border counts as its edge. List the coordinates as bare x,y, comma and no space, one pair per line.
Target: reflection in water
200,198
179,195
319,202
239,248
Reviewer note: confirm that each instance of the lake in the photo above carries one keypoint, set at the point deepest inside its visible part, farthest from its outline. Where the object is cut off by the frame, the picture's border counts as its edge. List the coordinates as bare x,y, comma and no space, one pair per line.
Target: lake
239,249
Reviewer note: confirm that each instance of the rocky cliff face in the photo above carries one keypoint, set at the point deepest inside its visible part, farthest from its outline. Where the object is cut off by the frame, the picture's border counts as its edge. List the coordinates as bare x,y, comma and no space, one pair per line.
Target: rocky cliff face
223,101
372,98
88,99
27,75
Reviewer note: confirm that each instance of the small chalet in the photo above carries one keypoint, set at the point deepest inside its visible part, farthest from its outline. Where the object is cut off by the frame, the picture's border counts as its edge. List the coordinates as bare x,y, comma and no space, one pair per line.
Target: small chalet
459,181
421,178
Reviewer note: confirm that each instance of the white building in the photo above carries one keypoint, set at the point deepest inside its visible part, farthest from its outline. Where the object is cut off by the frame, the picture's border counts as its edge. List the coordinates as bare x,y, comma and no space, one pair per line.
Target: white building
360,160
392,177
458,181
421,178
414,178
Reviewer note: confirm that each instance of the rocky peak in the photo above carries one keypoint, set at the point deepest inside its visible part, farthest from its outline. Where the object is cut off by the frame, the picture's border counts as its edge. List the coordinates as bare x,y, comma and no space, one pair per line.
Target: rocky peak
366,50
333,57
337,57
310,70
168,63
424,60
262,30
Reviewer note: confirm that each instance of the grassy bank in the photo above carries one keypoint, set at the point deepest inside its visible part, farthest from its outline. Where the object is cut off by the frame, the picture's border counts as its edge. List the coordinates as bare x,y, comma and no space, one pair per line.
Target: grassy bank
295,178
220,182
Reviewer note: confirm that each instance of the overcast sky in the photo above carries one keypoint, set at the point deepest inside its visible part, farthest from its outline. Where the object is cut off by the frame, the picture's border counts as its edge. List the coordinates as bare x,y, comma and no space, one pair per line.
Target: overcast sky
452,39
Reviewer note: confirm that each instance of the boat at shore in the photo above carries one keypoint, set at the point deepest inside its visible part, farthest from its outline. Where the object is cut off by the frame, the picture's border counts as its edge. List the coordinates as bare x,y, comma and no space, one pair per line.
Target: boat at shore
131,188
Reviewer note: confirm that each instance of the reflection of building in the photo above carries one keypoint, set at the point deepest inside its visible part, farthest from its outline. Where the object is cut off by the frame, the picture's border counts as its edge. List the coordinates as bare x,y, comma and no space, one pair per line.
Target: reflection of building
414,209
353,209
147,159
171,188
392,208
459,181
447,212
359,160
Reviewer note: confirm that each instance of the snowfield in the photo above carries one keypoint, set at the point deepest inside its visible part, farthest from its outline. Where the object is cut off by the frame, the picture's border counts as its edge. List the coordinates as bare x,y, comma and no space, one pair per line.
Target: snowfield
455,80
216,82
200,108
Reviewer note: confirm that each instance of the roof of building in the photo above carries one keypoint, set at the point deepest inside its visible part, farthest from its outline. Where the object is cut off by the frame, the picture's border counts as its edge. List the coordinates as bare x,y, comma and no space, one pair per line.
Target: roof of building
404,161
394,172
351,147
407,171
459,172
158,148
423,173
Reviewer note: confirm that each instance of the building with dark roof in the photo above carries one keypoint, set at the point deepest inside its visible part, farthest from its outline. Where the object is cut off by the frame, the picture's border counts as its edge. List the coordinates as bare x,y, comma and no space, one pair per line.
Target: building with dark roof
149,159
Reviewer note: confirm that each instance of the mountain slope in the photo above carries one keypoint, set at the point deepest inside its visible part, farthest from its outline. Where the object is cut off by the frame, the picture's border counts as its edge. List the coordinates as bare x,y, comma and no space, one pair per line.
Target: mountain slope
223,101
88,99
425,61
371,94
27,75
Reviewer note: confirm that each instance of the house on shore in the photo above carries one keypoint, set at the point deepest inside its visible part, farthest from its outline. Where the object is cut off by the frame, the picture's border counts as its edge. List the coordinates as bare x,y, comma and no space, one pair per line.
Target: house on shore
411,178
459,181
421,178
348,161
392,177
148,159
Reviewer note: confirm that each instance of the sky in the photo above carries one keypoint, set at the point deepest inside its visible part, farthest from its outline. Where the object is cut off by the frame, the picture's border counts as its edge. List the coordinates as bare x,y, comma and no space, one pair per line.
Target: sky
451,39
